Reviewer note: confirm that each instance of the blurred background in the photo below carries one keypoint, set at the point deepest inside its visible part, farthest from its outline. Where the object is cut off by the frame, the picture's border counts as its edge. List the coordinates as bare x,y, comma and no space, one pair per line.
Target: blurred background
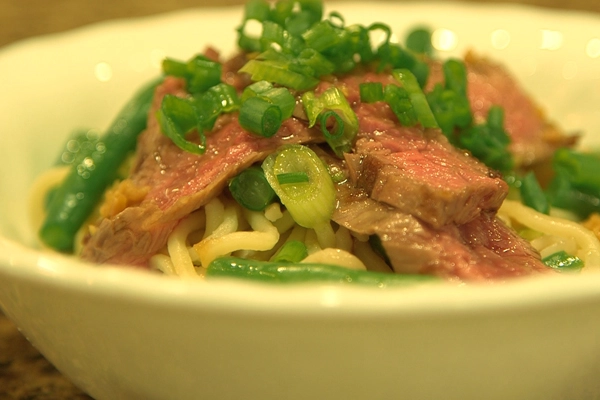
24,373
21,19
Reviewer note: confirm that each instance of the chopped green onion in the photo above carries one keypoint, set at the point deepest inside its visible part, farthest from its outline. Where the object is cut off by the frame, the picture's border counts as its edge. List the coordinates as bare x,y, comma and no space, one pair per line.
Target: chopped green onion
449,102
489,141
563,262
281,11
259,116
371,92
279,71
323,36
401,104
272,33
199,72
360,38
333,131
311,11
251,189
286,272
574,185
224,96
174,67
310,204
418,40
532,194
455,75
292,178
293,251
333,100
202,74
281,97
257,10
417,97
316,61
177,116
583,169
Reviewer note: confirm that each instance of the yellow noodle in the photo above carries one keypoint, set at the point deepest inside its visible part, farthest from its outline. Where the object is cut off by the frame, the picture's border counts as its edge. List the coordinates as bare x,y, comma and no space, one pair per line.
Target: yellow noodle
589,247
298,233
230,222
273,212
311,241
263,237
343,239
285,223
335,257
163,263
550,244
325,235
214,216
177,244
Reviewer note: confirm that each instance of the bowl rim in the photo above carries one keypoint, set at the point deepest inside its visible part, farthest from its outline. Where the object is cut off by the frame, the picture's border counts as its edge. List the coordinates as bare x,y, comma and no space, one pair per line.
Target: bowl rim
23,264
134,285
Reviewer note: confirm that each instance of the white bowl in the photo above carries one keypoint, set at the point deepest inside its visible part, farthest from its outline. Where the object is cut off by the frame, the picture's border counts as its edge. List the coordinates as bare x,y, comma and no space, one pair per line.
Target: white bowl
126,334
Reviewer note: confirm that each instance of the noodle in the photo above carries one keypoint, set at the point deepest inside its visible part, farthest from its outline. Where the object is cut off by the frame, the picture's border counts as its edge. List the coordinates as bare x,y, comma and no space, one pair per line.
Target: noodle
587,243
336,257
177,244
263,237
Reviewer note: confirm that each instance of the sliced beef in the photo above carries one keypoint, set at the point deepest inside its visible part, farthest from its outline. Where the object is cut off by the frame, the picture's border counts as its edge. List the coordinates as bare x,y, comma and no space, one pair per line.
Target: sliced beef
483,249
179,182
534,138
421,173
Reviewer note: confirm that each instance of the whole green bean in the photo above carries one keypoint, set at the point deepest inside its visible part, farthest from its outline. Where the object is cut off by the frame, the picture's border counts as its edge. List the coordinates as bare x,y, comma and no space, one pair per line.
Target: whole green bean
284,272
79,193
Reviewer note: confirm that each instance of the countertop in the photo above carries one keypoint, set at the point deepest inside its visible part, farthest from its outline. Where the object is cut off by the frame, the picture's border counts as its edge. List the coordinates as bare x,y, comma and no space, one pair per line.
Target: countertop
24,373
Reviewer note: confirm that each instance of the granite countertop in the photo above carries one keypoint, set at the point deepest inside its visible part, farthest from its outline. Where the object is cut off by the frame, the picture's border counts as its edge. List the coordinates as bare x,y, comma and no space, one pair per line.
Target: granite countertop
24,373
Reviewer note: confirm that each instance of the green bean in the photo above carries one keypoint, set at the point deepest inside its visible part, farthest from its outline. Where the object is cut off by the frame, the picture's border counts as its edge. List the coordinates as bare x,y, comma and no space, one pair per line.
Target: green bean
79,193
293,251
283,272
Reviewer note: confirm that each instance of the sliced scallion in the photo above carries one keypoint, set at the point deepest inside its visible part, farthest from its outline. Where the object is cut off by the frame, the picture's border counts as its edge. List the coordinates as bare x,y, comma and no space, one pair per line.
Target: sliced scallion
309,203
289,178
371,92
260,116
177,116
278,71
292,251
562,261
251,189
332,99
532,194
417,97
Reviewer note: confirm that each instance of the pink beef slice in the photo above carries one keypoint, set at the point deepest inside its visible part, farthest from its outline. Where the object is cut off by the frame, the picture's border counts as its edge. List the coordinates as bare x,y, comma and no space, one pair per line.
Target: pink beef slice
179,182
420,172
480,250
533,138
